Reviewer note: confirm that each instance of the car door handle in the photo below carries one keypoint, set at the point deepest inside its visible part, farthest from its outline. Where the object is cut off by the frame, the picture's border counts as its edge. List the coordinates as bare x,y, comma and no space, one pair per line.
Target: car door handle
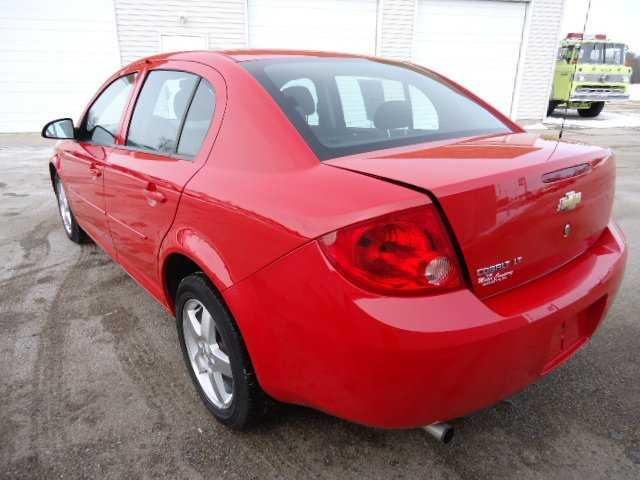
153,195
95,171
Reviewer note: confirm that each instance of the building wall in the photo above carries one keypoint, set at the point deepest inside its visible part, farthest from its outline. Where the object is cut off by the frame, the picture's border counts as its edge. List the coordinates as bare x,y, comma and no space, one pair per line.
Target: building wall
53,58
542,34
396,25
332,25
140,23
223,23
40,36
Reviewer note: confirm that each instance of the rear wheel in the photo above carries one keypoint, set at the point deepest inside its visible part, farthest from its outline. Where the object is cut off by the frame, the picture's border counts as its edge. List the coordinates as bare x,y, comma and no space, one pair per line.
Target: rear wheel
552,106
593,111
216,356
71,227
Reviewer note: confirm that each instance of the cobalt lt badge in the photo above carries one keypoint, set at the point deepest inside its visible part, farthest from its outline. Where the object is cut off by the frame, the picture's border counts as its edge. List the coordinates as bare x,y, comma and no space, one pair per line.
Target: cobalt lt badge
569,201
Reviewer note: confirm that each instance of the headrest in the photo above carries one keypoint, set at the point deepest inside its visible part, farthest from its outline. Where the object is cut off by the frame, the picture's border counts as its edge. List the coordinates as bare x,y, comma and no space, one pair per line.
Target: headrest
203,104
301,98
180,101
393,114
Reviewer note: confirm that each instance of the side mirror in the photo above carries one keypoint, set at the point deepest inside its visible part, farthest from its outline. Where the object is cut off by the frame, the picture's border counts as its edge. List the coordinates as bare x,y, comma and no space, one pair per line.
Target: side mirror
61,129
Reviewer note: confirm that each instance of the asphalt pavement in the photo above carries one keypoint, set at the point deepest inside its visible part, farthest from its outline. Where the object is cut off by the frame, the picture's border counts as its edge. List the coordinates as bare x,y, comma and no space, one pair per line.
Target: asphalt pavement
92,383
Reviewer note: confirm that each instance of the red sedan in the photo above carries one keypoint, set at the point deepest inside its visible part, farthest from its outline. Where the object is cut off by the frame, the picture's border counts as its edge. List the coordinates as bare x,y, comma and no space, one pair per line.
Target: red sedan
354,234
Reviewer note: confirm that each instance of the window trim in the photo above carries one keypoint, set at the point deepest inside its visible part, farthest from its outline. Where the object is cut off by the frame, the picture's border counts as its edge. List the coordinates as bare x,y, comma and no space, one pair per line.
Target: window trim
184,120
173,156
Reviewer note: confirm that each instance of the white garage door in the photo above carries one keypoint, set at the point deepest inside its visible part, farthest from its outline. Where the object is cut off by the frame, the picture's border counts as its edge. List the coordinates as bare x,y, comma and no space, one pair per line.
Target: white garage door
474,42
53,57
336,25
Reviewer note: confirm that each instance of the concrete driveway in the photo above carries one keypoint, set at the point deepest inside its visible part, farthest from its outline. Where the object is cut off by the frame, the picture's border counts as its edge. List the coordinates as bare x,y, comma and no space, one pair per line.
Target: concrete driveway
93,384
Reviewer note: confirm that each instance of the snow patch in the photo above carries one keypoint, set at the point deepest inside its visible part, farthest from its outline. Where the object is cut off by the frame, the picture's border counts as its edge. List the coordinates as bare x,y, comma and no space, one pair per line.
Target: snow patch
604,120
536,126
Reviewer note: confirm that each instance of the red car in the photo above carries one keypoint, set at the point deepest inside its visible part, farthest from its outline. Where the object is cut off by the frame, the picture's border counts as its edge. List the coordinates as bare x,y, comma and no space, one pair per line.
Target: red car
354,234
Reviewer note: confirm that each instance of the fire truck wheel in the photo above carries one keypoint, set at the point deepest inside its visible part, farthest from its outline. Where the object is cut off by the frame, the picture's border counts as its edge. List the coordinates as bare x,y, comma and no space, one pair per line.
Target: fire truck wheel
593,111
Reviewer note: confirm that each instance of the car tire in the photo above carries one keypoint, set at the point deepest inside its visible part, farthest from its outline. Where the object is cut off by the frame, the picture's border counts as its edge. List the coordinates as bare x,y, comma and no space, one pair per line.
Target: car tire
593,111
205,349
552,106
69,222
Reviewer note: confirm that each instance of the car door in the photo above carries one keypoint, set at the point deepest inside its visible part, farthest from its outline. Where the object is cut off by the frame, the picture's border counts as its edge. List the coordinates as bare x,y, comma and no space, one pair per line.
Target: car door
83,161
170,131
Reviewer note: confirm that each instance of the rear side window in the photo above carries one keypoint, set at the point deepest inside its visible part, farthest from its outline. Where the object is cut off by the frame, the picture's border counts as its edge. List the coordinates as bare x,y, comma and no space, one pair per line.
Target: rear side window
104,116
160,110
198,120
343,106
173,113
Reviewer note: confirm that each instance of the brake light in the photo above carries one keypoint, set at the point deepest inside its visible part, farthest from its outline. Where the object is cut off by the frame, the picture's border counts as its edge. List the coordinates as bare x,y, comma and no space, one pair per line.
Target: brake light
404,253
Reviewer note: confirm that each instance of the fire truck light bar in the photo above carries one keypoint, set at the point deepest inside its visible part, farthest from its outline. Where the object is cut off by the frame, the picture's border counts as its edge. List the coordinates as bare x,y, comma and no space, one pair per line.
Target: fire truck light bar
580,36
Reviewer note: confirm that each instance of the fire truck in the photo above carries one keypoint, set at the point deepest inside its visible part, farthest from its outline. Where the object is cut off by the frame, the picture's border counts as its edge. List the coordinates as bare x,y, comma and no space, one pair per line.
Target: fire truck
590,70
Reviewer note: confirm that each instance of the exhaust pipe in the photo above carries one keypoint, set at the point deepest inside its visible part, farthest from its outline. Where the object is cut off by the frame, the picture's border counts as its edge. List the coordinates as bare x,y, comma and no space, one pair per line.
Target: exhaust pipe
442,432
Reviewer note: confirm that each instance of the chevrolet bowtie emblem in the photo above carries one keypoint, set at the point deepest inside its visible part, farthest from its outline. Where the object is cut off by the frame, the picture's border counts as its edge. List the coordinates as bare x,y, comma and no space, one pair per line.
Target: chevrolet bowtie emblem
569,201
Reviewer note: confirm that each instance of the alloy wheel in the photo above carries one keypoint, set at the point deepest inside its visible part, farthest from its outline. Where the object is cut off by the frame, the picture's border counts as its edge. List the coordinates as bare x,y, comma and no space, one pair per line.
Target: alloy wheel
63,205
207,354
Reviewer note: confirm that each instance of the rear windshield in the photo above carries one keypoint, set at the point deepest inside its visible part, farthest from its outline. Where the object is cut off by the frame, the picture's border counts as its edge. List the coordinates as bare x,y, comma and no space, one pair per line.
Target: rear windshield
347,106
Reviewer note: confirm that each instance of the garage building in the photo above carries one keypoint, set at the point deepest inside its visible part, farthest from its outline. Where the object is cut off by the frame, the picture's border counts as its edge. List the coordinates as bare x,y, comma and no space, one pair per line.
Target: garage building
55,55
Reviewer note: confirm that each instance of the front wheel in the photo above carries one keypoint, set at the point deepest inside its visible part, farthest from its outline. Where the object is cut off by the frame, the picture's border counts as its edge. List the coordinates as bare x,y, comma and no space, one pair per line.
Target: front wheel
216,357
71,227
593,111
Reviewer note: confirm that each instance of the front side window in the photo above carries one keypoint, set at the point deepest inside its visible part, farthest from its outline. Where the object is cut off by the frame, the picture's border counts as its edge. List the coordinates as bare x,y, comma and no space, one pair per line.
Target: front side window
160,110
103,118
569,54
361,105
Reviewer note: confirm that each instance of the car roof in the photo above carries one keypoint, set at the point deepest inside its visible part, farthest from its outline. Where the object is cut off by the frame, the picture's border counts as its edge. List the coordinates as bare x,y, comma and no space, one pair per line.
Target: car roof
249,54
205,56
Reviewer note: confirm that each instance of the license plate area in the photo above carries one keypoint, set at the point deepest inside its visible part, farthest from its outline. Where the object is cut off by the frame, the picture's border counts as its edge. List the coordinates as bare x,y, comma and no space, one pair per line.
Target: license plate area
572,333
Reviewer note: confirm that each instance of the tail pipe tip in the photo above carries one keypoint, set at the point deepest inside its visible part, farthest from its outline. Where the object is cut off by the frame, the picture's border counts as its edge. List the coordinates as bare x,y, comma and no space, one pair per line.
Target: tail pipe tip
442,432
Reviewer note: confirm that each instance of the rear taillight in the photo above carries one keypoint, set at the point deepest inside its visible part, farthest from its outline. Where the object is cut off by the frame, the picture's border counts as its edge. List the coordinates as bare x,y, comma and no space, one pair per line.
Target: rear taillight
403,253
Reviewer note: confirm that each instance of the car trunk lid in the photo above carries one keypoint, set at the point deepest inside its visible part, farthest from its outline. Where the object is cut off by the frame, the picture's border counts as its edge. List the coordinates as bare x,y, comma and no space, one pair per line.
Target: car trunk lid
519,206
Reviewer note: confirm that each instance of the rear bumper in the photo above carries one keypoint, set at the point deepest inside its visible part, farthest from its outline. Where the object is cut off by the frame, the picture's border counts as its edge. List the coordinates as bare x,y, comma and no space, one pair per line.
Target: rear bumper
315,339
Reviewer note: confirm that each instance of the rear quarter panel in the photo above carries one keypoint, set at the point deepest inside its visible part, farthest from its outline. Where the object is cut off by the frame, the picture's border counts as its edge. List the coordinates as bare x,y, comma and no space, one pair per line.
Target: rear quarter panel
264,193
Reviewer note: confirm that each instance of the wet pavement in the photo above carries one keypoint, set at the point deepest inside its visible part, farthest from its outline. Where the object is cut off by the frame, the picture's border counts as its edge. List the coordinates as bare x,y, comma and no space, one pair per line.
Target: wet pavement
92,383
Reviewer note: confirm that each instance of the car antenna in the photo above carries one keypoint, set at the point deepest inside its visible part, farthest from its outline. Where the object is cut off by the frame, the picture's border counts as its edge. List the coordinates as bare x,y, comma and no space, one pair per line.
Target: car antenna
575,67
